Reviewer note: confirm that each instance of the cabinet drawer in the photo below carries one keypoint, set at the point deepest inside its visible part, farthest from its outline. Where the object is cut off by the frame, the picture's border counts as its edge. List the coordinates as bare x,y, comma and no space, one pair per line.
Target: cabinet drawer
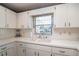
77,52
45,48
19,44
5,47
58,54
64,51
27,45
11,45
33,46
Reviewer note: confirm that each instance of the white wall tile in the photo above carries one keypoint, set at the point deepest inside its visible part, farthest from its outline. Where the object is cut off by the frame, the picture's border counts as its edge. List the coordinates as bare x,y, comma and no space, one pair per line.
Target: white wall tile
6,33
59,34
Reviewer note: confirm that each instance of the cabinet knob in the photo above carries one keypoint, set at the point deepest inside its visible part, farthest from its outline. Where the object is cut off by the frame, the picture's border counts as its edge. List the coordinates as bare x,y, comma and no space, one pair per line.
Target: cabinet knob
62,51
21,44
69,23
6,53
51,54
38,53
54,7
2,54
24,50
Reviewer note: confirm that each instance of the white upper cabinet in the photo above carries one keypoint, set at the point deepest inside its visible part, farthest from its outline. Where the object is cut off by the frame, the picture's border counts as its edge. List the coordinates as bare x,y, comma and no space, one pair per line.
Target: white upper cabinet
2,17
73,15
24,20
10,19
66,16
60,16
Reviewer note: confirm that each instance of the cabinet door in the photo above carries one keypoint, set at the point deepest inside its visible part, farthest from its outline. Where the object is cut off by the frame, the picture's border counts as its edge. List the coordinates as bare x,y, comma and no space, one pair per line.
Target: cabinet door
0,53
11,51
44,53
4,53
31,52
11,19
2,17
21,17
21,51
60,16
73,13
29,21
24,20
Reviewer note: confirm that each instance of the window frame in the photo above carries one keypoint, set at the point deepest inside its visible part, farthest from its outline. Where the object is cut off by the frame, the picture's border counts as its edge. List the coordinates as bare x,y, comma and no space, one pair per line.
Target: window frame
34,23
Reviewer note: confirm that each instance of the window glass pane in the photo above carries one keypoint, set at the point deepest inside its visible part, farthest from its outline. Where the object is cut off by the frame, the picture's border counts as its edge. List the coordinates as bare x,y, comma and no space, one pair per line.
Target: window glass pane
43,24
37,29
43,20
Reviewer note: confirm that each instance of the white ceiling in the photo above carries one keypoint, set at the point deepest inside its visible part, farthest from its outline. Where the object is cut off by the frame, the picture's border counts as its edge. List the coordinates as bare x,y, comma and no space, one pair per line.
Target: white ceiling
19,7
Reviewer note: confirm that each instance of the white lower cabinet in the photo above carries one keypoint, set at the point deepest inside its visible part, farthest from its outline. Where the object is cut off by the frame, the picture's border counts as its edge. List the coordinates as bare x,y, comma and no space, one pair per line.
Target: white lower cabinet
28,49
64,51
36,52
21,51
3,51
0,53
11,51
44,53
31,52
8,50
25,49
55,54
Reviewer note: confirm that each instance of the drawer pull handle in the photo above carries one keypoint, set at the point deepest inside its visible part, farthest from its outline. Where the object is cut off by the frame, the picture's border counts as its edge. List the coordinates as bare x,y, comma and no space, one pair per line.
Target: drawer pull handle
62,51
38,53
23,50
69,23
65,23
21,44
51,54
6,53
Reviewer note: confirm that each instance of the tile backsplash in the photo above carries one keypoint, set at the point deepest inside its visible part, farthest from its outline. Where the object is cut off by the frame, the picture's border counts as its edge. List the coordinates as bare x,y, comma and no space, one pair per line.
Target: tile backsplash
68,34
64,34
6,33
26,33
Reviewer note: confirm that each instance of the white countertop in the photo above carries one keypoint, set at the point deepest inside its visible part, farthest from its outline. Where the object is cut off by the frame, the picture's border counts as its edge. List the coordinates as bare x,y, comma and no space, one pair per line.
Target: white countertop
58,43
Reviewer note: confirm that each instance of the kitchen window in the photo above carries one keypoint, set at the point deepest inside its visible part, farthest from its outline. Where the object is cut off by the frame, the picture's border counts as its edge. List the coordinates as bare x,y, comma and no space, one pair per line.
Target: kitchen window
43,24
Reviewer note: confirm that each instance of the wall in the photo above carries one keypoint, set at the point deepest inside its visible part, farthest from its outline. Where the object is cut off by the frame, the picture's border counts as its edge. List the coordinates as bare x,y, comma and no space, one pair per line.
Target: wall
6,33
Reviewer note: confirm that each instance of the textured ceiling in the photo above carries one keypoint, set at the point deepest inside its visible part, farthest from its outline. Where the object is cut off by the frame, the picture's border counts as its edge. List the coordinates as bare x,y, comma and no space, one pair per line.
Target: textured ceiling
19,7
